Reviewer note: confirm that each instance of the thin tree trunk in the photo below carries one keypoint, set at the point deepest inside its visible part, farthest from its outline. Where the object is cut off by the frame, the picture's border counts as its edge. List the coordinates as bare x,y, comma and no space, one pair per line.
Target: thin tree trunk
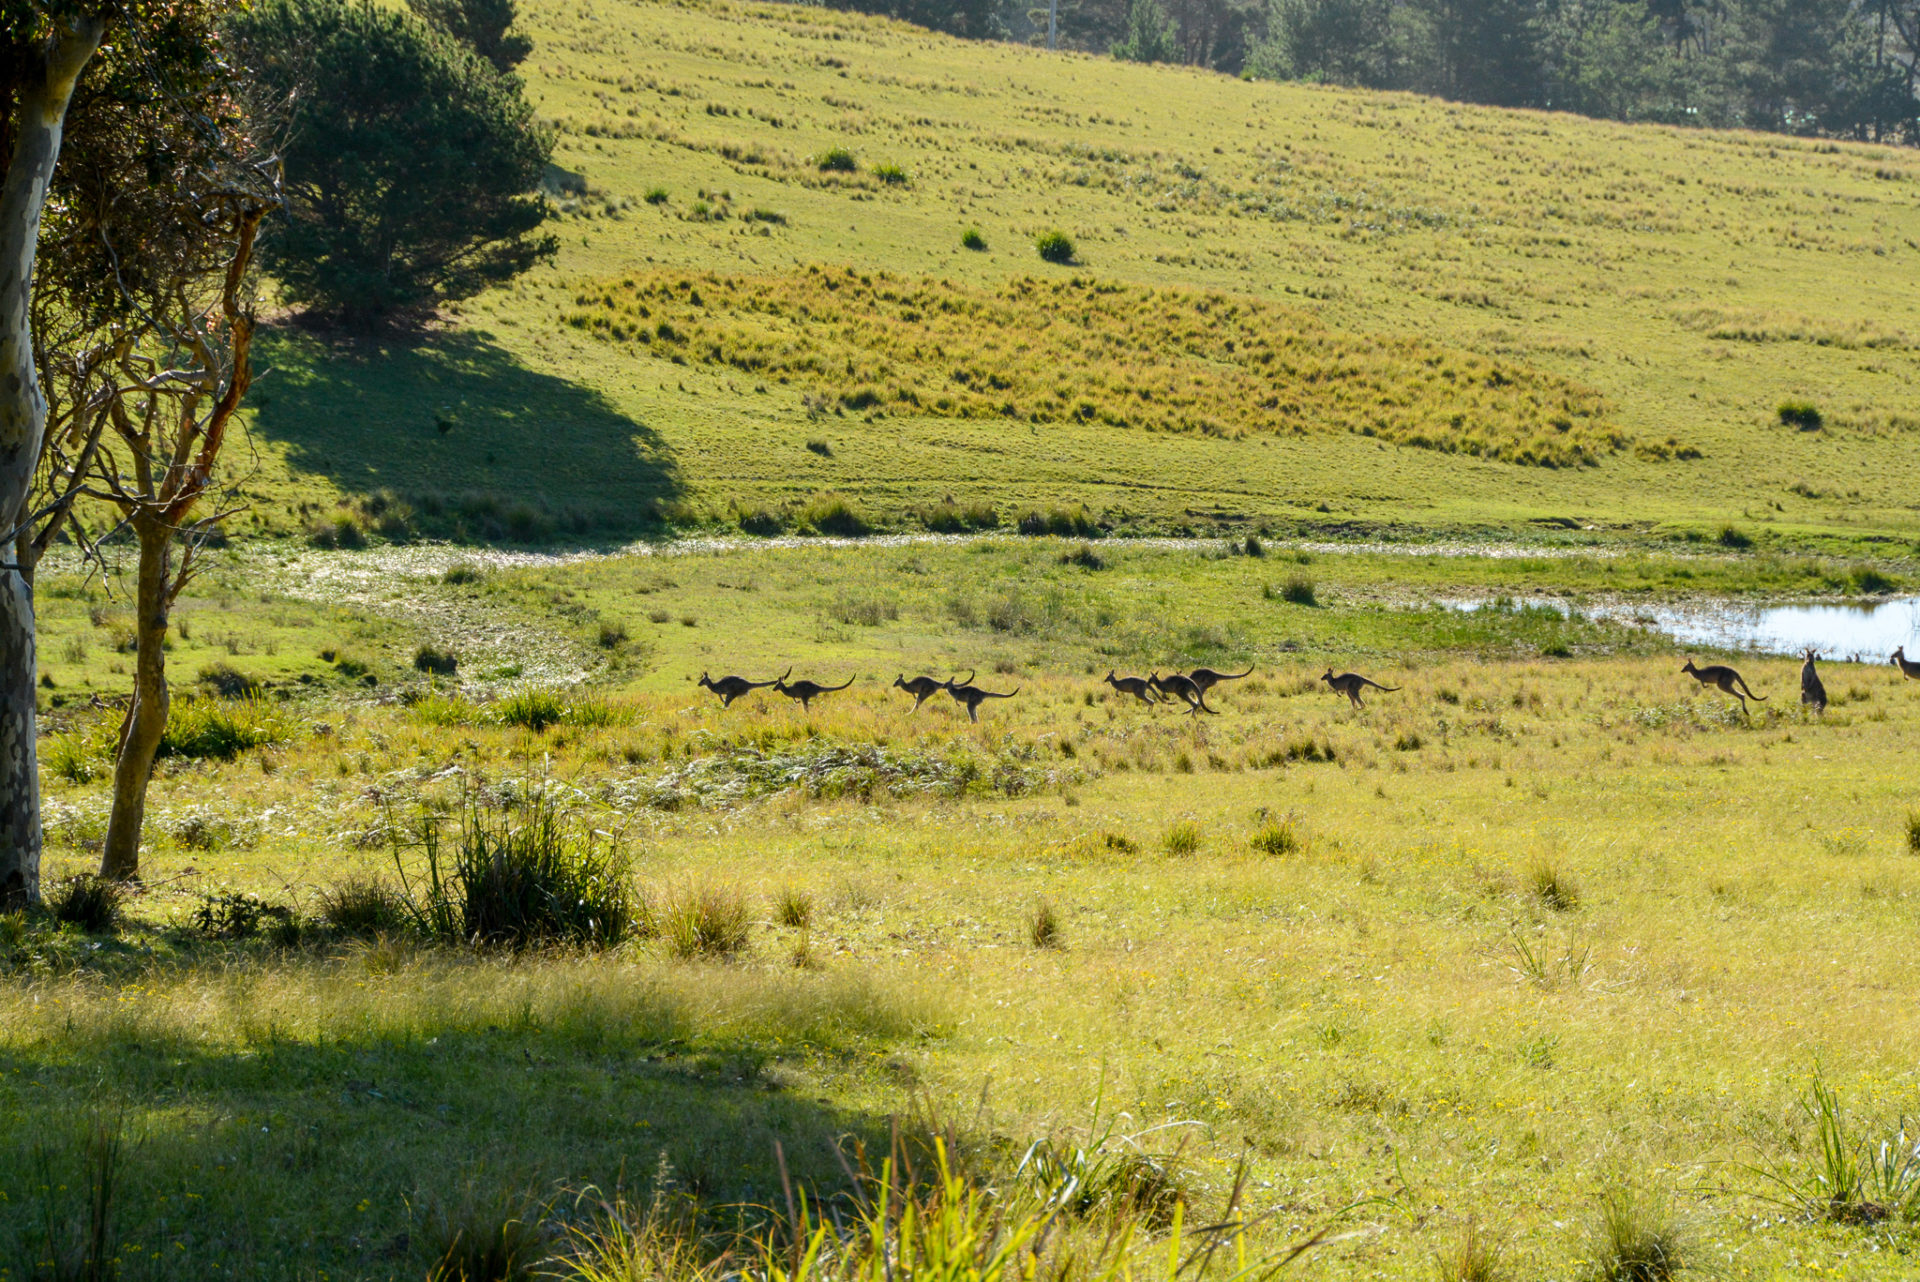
41,116
146,720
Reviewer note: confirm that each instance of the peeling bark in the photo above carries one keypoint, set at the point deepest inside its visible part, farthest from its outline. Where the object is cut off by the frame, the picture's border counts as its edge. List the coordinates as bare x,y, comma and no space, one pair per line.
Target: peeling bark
39,122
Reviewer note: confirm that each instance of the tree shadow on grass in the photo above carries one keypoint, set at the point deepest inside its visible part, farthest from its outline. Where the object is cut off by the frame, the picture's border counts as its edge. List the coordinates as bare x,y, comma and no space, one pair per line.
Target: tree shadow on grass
283,1157
454,425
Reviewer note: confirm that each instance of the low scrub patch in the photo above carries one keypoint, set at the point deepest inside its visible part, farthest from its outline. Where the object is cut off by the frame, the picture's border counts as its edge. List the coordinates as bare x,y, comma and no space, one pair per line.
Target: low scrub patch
89,902
222,729
1100,352
706,921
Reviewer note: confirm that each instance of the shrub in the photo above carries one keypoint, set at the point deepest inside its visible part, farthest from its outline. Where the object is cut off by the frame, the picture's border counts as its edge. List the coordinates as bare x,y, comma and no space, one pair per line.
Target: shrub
759,521
1085,557
89,902
431,658
837,160
1183,838
1043,927
1253,546
949,517
759,215
706,921
1732,536
1276,837
1075,522
656,196
230,914
820,447
612,634
221,729
1801,414
518,884
1864,578
340,530
364,906
1913,832
1634,1238
1555,890
1408,741
793,907
972,239
1054,246
890,174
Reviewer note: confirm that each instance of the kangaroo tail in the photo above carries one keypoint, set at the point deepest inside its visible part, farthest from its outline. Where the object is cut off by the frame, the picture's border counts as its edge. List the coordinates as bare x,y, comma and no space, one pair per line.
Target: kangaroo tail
1750,694
1376,685
843,685
1235,676
1008,695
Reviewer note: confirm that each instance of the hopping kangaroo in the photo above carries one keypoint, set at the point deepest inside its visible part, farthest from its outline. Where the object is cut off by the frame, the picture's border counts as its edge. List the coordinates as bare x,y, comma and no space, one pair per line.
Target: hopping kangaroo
1351,684
973,696
1185,687
1135,686
1726,679
806,691
1207,678
1811,691
921,688
731,688
1906,665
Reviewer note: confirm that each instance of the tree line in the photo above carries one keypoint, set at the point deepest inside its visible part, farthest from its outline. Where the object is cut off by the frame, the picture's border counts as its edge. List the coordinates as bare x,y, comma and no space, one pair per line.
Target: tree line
158,158
1829,68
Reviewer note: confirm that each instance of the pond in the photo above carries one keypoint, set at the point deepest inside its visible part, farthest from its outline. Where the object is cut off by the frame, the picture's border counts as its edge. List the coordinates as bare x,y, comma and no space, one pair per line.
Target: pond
1868,631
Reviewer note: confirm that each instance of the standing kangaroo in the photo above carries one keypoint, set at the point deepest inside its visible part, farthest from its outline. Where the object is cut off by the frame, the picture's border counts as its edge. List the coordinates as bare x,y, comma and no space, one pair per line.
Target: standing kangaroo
1207,678
1175,683
1906,665
1135,686
1811,691
1351,684
731,688
806,691
1726,679
973,696
921,688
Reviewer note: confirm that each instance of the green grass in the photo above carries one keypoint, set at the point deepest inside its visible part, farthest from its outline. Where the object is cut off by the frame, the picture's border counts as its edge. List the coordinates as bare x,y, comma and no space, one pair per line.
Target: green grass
1694,282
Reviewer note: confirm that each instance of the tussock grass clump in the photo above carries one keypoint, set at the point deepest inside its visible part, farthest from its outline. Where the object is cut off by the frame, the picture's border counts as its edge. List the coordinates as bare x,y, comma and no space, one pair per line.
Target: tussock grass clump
793,907
1869,581
1065,522
89,902
231,915
1473,1257
1856,1173
222,729
1054,246
1182,839
1276,837
1556,891
446,711
972,238
227,681
1085,556
365,907
891,174
462,573
837,160
949,517
1732,536
706,921
1913,832
77,756
1634,1237
831,514
656,196
516,881
434,659
531,708
1043,927
1297,590
487,1239
1086,351
1801,414
1105,1174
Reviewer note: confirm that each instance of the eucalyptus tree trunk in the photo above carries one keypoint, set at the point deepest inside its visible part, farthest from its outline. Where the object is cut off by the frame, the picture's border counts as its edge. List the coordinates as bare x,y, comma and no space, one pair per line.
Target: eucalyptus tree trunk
146,721
41,112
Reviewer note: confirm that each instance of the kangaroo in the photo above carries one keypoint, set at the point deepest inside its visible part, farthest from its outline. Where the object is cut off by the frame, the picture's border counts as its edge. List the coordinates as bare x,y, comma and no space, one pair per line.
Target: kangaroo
1175,683
807,691
1726,679
1135,686
731,688
973,696
921,688
1906,665
1351,684
1207,678
1811,691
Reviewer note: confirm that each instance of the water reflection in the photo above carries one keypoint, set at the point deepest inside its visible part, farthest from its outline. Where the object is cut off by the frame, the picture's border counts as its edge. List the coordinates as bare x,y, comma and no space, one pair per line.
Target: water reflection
1870,630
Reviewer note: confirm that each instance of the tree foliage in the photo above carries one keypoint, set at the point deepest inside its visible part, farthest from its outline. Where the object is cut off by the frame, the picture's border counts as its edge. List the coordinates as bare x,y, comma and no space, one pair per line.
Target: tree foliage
1151,35
412,163
482,25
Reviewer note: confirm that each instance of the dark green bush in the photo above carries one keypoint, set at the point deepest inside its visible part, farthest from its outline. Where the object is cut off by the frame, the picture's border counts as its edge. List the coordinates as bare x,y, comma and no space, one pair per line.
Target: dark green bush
972,238
1055,246
431,658
1801,414
837,160
89,902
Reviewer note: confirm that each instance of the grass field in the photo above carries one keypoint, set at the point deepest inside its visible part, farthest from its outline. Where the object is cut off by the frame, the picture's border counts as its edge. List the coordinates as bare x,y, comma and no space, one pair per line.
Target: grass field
1540,925
1679,285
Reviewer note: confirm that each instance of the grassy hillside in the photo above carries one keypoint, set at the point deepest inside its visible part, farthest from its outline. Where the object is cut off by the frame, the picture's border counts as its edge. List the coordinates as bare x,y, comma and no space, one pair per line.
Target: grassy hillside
1672,287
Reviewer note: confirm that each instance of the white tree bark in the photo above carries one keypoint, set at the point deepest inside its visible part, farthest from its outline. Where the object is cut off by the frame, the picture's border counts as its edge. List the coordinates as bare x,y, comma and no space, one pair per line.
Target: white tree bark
42,113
